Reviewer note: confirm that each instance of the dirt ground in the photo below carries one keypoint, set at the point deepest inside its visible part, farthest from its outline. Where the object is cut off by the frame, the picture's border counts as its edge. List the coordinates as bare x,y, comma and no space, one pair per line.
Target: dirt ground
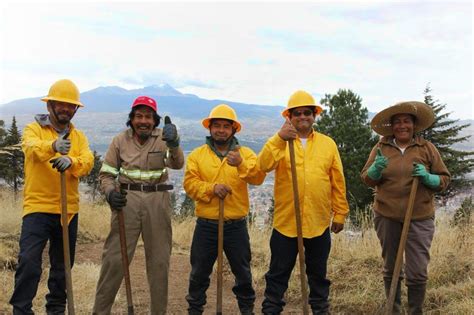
178,283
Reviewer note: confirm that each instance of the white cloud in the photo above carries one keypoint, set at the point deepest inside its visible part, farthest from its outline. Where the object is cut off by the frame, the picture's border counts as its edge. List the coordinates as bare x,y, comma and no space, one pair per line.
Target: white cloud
250,52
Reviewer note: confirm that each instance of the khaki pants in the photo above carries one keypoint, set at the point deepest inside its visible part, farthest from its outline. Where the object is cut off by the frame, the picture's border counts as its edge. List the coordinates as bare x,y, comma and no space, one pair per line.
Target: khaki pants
417,248
148,214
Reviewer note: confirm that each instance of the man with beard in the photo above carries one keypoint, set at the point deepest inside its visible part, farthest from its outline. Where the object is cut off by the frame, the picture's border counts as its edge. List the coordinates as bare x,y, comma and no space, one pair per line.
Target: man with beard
133,178
322,197
221,169
51,144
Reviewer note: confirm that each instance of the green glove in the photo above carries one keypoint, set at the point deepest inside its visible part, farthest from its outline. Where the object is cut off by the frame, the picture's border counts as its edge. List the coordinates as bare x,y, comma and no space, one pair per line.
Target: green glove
380,163
430,180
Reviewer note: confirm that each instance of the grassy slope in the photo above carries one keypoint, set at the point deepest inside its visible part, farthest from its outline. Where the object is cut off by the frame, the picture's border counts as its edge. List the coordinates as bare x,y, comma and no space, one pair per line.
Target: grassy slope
354,264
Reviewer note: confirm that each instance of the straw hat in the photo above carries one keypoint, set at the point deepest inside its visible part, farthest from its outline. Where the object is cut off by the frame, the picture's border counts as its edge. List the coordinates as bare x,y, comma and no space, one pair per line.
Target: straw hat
424,114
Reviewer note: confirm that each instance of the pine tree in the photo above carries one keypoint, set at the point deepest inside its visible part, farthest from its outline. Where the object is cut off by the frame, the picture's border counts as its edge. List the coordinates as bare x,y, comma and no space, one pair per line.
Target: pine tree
346,122
3,133
3,152
444,133
92,179
13,174
271,211
187,207
173,202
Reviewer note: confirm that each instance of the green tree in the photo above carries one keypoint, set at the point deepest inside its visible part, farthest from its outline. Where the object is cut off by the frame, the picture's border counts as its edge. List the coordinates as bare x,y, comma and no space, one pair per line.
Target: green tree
92,179
271,211
12,163
444,133
187,207
346,122
173,202
3,133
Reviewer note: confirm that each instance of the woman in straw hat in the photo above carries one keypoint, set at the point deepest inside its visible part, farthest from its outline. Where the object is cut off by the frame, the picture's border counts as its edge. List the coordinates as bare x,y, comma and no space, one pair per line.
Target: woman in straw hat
393,162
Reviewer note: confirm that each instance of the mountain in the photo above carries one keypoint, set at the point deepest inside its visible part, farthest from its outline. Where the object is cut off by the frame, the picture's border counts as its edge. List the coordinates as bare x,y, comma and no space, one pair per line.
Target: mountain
106,112
170,101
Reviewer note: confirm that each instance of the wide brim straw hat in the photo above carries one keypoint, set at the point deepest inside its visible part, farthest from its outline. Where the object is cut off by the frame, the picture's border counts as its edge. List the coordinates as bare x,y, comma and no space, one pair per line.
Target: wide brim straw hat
381,123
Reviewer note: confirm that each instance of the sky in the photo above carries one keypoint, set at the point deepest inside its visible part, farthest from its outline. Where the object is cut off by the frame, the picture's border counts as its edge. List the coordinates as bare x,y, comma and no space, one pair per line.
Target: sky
243,51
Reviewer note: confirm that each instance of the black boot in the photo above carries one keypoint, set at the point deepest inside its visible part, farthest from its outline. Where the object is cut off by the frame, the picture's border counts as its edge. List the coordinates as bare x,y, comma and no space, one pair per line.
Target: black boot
416,297
397,304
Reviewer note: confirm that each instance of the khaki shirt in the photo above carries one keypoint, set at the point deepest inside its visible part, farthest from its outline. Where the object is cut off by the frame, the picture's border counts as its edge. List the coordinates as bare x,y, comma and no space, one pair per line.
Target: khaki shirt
137,163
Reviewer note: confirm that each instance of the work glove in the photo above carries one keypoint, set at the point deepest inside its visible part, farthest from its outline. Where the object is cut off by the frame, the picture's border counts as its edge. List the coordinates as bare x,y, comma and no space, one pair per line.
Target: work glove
430,180
170,134
61,163
380,163
62,144
233,157
117,200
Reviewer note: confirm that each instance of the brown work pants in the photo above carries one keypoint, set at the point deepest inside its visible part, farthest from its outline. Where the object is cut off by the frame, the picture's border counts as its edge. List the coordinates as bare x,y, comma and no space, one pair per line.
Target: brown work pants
147,214
417,248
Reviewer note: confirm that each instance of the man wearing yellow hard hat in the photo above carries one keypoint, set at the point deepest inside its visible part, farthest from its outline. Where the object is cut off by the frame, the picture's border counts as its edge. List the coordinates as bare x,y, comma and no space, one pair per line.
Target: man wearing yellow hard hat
51,144
221,169
322,199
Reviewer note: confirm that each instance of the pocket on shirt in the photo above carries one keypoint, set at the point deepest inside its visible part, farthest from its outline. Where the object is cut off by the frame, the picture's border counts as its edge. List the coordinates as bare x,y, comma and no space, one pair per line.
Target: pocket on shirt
156,160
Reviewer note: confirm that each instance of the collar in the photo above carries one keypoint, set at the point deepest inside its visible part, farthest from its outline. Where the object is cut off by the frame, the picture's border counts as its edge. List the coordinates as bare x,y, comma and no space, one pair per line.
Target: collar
155,132
233,143
44,121
390,140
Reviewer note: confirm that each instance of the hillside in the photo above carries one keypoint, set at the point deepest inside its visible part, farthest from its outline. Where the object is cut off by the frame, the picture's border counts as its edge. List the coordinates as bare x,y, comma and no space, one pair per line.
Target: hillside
354,266
106,109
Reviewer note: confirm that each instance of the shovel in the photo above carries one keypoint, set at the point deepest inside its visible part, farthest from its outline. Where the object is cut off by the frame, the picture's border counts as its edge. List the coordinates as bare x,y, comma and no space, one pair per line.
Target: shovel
123,251
401,248
67,253
220,246
299,231
66,250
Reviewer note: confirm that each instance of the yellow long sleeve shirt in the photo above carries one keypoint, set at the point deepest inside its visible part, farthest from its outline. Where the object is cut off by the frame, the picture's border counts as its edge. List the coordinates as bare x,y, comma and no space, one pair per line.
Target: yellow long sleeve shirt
42,191
321,184
204,169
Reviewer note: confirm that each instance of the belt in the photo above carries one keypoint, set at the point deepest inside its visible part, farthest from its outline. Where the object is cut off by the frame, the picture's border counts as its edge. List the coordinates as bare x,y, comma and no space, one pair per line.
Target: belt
146,188
230,221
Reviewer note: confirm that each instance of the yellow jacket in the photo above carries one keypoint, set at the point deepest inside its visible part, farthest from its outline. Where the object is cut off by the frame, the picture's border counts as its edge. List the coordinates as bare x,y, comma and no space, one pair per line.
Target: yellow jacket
321,184
204,170
42,192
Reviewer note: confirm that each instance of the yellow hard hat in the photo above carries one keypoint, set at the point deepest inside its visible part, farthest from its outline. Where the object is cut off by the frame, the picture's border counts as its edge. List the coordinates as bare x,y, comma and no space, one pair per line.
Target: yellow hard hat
222,111
298,99
63,91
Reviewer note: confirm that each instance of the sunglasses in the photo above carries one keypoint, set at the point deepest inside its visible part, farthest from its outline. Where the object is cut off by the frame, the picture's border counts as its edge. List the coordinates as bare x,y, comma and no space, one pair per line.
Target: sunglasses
305,112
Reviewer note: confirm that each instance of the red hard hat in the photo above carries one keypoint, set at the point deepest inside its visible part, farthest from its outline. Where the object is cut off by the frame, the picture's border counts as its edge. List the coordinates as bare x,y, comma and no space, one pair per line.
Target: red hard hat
145,100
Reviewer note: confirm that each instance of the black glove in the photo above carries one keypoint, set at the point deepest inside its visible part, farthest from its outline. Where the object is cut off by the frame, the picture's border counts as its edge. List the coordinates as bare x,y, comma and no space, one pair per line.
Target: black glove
61,163
117,200
170,134
62,144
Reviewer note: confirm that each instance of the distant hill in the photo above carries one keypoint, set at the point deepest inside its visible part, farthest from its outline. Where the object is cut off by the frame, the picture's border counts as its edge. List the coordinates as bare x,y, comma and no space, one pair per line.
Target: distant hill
106,110
170,101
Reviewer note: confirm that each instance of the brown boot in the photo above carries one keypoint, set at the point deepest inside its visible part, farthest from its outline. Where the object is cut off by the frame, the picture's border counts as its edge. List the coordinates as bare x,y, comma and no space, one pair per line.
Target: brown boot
397,304
416,297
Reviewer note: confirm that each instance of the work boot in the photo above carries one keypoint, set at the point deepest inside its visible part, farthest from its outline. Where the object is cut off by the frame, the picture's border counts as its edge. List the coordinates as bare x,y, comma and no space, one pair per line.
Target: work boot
397,304
416,297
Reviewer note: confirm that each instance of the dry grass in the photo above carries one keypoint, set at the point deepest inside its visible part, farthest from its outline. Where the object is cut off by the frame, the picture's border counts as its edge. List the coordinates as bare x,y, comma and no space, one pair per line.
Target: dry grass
354,265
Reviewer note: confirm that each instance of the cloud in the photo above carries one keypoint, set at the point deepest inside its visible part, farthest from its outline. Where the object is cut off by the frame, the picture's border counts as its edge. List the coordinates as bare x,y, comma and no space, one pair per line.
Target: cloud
249,52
